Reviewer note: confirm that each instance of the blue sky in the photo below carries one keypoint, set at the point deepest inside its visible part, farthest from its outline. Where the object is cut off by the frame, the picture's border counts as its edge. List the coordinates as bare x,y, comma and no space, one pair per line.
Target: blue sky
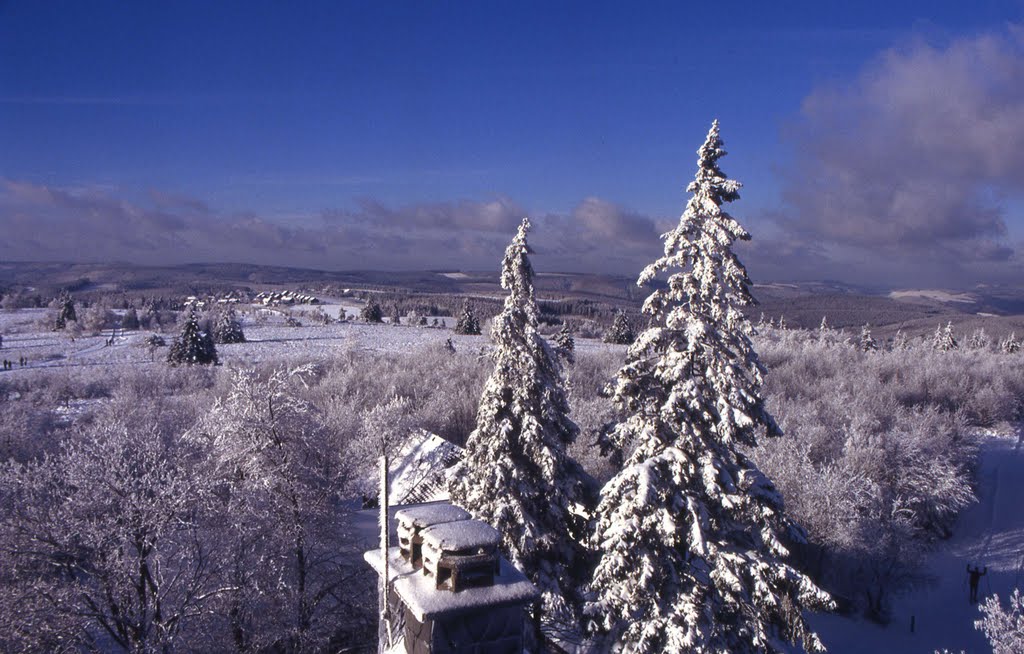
324,125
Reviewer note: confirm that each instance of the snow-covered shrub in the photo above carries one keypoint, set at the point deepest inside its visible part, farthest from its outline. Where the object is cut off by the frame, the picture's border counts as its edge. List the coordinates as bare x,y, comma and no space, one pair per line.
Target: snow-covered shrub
877,459
95,319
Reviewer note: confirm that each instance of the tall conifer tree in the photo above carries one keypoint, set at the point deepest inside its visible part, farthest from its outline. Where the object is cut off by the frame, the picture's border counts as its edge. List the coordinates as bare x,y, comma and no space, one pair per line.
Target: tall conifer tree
516,474
690,534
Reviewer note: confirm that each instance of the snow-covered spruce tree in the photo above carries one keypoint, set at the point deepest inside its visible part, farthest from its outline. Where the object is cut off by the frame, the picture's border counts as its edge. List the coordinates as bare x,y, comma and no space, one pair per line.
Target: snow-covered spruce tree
979,340
620,333
1010,344
515,473
565,344
899,341
690,534
943,340
192,345
867,342
65,311
467,322
228,328
372,312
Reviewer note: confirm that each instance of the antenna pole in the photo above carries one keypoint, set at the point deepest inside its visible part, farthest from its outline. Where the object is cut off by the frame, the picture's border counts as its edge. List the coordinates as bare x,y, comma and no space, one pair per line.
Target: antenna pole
385,607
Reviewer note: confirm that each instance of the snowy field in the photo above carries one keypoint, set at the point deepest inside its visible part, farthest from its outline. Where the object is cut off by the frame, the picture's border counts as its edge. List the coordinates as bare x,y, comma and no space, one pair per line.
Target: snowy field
24,336
990,533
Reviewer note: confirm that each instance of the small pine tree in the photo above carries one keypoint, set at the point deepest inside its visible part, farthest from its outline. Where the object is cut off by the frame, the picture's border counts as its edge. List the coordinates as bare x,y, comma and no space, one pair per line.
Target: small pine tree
467,323
448,346
565,344
396,319
899,341
65,311
228,328
979,340
1010,344
620,333
690,534
943,340
823,327
516,474
372,312
867,342
193,346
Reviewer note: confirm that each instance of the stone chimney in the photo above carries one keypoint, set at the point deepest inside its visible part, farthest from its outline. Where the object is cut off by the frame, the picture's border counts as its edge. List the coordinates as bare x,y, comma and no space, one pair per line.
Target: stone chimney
449,588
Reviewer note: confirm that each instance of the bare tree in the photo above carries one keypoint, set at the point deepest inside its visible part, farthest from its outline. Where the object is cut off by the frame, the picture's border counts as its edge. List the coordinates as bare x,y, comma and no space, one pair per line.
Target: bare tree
104,540
281,477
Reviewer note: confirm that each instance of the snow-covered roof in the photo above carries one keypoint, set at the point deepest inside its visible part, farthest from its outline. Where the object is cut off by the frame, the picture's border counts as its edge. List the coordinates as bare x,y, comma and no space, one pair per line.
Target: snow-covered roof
419,472
431,514
461,535
425,601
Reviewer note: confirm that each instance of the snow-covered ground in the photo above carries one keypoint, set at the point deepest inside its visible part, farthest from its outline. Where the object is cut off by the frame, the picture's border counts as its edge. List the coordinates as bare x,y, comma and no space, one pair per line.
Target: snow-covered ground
941,296
24,335
990,533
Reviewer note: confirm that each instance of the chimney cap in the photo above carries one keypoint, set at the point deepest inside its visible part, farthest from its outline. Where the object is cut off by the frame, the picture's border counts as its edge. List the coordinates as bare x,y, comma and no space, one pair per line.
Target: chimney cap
461,535
431,514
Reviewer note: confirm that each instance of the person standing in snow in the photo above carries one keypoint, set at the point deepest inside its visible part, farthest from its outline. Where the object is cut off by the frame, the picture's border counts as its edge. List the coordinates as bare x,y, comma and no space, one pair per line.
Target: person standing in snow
975,575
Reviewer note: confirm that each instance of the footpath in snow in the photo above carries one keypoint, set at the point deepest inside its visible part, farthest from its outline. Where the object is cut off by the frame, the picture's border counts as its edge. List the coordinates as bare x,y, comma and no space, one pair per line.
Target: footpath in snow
989,533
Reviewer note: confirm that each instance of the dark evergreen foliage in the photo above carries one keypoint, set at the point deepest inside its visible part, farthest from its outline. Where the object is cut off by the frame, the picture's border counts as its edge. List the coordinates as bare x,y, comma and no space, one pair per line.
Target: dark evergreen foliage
130,319
228,328
467,323
193,346
372,312
565,344
66,311
620,333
